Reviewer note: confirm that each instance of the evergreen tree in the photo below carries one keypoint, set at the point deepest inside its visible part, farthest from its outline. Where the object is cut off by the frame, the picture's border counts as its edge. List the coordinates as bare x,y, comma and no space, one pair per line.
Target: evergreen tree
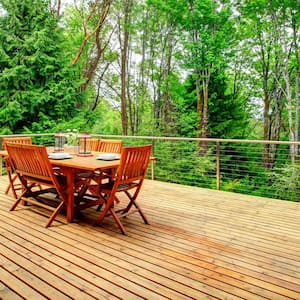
228,115
38,87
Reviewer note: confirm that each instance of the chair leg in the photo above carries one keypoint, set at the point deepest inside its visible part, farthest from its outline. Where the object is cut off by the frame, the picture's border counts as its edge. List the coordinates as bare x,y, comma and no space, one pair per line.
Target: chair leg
141,212
109,209
104,211
54,214
118,221
11,185
17,202
132,202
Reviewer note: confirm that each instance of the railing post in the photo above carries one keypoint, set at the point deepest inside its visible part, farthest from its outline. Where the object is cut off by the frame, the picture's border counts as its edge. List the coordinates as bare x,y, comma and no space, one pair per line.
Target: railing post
1,159
1,162
218,165
152,161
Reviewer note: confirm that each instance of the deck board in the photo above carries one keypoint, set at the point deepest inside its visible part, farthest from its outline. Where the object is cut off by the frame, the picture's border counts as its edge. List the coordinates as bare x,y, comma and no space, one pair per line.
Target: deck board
200,244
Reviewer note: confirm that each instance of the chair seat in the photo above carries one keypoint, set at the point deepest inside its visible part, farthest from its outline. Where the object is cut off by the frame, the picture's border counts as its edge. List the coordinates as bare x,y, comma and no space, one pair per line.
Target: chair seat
62,179
121,187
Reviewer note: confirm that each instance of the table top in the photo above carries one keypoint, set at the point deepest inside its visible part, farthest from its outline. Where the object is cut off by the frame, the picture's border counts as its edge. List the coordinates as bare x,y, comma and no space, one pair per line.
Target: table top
89,163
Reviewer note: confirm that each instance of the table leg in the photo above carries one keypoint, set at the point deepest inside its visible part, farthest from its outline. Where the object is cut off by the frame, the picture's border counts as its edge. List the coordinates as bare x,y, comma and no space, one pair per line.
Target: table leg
69,173
1,170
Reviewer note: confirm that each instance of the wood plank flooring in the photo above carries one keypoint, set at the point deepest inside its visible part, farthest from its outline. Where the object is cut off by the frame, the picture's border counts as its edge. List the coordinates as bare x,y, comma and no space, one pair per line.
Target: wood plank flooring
201,244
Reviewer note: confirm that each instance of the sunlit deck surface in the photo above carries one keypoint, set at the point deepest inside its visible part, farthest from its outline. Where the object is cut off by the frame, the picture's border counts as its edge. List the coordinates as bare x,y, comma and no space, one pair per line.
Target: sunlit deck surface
201,244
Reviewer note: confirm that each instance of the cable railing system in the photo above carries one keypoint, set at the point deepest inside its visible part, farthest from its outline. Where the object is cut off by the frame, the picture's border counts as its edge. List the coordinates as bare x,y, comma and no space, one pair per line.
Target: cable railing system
253,167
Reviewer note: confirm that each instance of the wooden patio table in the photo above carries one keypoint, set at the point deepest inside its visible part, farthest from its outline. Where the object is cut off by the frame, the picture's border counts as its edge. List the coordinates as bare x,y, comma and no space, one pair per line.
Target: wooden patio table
77,164
70,166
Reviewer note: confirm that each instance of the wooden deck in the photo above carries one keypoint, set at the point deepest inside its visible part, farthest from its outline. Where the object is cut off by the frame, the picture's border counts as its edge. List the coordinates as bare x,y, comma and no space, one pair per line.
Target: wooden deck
201,244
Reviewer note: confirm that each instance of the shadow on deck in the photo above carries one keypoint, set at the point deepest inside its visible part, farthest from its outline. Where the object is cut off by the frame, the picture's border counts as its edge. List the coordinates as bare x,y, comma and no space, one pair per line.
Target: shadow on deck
201,244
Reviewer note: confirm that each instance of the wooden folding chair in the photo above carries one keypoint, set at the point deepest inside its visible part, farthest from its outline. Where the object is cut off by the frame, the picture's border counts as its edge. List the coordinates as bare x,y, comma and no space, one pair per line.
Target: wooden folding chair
12,177
32,166
129,177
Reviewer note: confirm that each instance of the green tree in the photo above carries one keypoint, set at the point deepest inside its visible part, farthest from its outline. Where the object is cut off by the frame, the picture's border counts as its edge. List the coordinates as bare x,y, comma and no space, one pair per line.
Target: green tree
268,29
228,114
206,38
38,87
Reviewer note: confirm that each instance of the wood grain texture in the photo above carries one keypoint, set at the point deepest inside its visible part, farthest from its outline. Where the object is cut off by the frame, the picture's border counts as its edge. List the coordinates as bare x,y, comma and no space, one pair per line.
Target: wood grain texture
200,244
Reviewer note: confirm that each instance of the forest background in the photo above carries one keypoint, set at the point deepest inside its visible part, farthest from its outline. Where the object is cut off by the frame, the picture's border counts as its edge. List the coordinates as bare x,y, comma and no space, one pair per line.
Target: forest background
186,68
209,68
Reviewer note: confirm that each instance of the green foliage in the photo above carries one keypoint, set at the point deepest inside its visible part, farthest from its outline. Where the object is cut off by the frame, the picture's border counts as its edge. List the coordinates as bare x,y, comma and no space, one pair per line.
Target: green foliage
232,186
228,117
184,115
177,167
286,182
37,85
108,121
72,136
209,32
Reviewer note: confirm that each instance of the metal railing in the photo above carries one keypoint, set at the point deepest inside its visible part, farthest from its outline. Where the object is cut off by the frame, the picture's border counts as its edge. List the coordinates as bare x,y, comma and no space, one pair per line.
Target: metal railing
254,167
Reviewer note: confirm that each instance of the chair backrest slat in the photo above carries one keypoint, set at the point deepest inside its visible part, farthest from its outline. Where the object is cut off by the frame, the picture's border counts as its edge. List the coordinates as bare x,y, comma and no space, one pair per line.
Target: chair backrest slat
31,160
94,144
134,163
26,140
111,146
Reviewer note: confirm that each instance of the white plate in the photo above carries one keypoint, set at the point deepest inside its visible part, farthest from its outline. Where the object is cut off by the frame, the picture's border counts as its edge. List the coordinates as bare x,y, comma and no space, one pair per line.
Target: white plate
108,156
59,155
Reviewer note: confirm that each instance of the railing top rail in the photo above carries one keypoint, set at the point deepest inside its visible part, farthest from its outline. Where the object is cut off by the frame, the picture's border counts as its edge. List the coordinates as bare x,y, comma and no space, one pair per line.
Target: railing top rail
26,134
171,138
201,139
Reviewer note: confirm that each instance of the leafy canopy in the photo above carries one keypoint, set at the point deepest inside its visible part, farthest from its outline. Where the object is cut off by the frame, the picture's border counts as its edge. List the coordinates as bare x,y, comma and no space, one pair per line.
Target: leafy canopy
38,87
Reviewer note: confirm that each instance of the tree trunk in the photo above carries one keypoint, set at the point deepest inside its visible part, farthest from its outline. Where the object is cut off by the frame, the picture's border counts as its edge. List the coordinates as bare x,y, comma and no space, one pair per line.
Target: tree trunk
266,129
101,20
297,63
124,65
166,71
55,7
202,82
